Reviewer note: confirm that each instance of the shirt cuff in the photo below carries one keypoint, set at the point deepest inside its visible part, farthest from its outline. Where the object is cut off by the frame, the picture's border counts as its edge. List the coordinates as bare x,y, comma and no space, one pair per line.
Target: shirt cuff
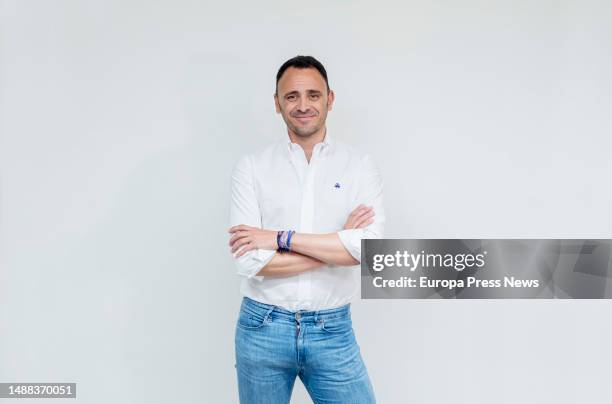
351,239
252,262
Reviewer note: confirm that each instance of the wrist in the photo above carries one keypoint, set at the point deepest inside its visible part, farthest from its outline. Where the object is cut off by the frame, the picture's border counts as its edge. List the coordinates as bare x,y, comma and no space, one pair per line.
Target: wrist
283,240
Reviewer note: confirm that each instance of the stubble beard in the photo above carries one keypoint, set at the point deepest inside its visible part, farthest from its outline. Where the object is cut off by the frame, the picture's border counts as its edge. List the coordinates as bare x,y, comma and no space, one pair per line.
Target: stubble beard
304,132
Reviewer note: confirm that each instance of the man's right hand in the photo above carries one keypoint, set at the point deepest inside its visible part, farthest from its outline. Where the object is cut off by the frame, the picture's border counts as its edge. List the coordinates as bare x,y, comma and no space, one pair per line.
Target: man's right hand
359,218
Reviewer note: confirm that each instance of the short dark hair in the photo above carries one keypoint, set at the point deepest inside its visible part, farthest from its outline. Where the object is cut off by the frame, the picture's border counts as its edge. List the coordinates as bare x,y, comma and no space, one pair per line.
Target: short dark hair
302,62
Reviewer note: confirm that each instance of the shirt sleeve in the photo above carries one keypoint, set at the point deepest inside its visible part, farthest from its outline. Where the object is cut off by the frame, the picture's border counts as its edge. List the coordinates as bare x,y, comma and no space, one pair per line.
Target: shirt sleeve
244,209
370,192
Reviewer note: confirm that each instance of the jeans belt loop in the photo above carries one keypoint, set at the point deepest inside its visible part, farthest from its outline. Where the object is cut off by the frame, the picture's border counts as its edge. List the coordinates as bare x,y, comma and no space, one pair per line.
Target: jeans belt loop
270,310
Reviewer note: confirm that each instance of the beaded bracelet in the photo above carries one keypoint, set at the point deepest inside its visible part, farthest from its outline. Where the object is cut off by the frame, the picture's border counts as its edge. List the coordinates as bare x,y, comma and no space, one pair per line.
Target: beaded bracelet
283,240
291,233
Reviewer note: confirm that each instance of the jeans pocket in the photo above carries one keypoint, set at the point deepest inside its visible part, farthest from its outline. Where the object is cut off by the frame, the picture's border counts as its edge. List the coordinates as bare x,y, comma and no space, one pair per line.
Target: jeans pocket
252,321
336,325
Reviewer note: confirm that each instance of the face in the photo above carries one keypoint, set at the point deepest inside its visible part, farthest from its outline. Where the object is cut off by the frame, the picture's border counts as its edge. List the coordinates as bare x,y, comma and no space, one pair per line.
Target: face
303,101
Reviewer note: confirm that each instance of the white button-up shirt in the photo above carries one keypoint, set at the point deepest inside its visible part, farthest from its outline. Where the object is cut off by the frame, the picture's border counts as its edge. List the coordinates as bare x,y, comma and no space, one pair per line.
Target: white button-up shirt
276,188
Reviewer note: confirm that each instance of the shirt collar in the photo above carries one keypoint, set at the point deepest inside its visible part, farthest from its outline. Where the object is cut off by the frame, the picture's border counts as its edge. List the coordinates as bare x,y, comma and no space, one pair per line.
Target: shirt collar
325,144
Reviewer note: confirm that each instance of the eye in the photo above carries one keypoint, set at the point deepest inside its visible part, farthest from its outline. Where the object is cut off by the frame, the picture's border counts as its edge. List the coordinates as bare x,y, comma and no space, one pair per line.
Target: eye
314,96
290,97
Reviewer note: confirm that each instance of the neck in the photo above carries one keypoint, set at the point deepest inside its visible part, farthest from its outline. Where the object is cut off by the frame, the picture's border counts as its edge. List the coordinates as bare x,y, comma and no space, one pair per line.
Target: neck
308,143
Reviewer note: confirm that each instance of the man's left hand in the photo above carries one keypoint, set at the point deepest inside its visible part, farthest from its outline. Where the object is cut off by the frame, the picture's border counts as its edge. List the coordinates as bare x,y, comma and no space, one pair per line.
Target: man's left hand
251,238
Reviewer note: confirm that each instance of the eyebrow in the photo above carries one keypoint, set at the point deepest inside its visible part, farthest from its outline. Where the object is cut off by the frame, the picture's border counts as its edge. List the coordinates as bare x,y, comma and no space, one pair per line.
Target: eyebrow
295,92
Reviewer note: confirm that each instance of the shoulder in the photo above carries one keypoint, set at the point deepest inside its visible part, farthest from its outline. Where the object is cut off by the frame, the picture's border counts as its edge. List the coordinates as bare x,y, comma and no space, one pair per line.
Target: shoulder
261,154
268,151
354,154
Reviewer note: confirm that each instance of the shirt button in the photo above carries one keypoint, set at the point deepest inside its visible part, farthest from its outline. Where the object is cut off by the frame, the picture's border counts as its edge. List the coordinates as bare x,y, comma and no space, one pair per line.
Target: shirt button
298,315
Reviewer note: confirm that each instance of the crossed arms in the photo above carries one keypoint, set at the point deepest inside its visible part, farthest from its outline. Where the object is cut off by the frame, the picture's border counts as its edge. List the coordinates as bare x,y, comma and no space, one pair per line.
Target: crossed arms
308,251
254,248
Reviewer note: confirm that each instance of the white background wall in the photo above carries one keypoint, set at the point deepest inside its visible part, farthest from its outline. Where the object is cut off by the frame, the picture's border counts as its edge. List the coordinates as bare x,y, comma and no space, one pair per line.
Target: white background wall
120,122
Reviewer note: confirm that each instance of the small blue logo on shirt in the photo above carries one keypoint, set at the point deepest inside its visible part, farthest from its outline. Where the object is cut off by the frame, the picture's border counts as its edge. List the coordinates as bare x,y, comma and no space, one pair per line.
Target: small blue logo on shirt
337,186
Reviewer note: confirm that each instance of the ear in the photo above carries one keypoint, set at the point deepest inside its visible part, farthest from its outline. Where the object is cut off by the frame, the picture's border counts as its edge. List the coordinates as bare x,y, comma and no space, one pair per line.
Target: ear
276,104
331,96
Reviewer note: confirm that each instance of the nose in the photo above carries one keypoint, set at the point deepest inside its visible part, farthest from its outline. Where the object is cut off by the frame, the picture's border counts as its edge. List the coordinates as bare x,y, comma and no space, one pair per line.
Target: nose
303,105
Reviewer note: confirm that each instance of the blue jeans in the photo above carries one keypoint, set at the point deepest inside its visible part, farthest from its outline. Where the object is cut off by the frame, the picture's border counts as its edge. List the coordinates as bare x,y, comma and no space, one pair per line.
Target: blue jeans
274,345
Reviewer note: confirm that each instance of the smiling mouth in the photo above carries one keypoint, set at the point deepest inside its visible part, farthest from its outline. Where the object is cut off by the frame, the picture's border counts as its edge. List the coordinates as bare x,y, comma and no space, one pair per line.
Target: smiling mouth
304,118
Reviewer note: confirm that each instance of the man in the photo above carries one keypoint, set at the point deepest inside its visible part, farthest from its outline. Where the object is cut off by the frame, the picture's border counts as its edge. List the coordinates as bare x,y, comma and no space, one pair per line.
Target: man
299,210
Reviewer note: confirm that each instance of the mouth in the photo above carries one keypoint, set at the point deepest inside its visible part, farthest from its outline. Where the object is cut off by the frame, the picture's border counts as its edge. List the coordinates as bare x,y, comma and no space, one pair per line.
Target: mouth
305,118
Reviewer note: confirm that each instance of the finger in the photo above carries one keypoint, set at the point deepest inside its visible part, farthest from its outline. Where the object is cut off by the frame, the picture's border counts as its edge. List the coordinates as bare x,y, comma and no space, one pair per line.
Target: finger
366,212
349,225
358,224
234,229
356,213
364,215
354,223
350,222
248,247
240,227
363,223
359,208
238,235
240,243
